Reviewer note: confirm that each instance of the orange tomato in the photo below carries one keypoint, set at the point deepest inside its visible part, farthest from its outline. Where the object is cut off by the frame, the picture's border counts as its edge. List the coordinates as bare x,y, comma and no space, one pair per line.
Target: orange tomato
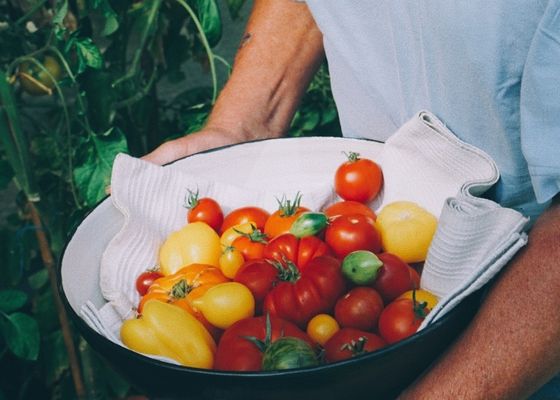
282,219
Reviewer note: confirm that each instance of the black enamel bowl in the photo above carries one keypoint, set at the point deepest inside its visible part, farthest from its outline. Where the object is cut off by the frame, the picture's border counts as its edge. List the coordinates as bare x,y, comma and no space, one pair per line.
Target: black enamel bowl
382,374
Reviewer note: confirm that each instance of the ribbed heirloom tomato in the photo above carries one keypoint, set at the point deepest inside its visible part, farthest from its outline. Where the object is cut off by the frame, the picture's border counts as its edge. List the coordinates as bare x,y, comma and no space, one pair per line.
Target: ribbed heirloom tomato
298,251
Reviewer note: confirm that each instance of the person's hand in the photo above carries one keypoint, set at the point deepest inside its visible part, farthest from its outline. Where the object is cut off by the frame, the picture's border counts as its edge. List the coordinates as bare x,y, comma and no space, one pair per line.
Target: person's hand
207,138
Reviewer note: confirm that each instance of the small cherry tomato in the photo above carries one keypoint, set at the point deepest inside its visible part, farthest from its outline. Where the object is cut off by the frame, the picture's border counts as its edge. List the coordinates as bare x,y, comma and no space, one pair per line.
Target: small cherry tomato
358,179
349,233
361,267
421,296
256,215
230,261
359,308
251,244
401,319
321,328
145,280
204,209
282,219
349,342
393,278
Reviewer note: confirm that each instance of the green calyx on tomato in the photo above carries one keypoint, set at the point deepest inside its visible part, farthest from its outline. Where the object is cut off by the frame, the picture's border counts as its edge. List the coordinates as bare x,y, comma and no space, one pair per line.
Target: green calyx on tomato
288,208
352,156
255,236
361,267
420,309
287,271
357,346
181,289
191,199
309,224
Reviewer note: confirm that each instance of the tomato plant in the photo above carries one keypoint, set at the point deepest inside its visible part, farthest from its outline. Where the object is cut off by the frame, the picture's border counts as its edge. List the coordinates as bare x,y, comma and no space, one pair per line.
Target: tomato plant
393,277
401,319
299,296
281,220
39,81
238,353
349,233
298,251
359,308
256,215
358,179
350,342
204,209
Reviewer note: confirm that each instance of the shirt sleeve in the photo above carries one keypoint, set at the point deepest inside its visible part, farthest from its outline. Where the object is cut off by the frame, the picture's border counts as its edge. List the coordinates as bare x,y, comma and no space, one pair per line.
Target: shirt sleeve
540,106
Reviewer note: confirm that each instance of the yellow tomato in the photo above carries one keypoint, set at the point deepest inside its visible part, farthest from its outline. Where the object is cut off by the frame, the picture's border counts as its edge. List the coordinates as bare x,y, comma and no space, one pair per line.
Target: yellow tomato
195,243
422,296
236,231
321,328
406,230
230,261
226,303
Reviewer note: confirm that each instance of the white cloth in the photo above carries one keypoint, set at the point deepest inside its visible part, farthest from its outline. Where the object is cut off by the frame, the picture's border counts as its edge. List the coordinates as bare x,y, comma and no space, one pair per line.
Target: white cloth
422,162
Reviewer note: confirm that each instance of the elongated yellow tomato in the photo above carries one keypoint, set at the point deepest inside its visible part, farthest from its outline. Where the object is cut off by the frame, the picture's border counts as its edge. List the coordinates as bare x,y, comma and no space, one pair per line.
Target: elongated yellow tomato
230,261
236,231
195,243
226,303
169,331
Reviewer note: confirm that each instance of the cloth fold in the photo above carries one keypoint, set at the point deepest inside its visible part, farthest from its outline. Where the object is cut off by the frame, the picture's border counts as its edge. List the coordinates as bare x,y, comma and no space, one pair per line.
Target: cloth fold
422,162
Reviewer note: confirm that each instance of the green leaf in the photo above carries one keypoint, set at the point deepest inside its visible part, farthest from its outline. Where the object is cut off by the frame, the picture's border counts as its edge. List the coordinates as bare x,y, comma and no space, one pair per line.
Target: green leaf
234,6
110,17
6,174
93,170
11,300
15,257
54,357
88,54
21,334
60,12
38,279
208,13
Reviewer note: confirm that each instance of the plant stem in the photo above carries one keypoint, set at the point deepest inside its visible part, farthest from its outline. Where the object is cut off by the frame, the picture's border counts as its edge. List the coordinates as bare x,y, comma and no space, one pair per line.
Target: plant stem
36,7
209,52
48,261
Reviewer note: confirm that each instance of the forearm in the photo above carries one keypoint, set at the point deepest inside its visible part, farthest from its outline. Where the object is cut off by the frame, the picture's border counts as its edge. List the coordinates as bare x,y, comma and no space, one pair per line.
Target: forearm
279,54
513,345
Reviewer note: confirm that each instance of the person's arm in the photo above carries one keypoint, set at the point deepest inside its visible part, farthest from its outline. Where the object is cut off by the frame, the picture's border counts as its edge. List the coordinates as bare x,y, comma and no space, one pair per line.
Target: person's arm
279,54
512,347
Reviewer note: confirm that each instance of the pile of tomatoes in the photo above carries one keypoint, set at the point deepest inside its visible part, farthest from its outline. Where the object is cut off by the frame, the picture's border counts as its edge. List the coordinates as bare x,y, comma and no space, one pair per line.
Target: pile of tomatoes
322,287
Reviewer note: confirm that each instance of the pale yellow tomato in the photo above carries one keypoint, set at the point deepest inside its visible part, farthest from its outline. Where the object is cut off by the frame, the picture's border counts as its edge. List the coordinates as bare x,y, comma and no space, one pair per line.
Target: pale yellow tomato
225,304
195,243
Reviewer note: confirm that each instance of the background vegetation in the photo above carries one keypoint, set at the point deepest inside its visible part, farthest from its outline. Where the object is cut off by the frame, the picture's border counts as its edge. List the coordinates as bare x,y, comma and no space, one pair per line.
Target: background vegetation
80,81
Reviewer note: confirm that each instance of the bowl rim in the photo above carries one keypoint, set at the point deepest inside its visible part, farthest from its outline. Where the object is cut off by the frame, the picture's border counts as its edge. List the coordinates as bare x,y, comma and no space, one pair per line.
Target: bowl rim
133,355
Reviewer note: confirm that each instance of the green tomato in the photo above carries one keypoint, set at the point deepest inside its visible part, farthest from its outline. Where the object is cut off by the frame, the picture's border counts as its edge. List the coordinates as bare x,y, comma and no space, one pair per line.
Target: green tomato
361,267
309,224
288,352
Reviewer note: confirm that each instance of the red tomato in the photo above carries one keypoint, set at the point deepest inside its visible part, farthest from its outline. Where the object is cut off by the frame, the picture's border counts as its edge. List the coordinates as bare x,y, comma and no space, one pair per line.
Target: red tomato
393,277
414,278
236,353
145,280
359,308
350,342
401,319
204,210
298,251
301,296
251,245
349,207
349,233
259,276
282,219
245,214
358,179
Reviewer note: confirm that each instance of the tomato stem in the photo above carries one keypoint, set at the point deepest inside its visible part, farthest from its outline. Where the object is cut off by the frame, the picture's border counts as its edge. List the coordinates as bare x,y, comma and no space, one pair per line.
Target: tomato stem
352,156
287,271
191,199
288,208
355,346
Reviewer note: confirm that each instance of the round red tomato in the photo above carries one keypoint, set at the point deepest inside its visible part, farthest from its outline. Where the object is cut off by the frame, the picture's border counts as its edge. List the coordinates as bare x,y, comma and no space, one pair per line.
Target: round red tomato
401,319
145,280
349,207
204,210
359,308
259,276
251,245
393,277
282,219
358,179
237,353
298,251
300,296
242,215
350,342
349,233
